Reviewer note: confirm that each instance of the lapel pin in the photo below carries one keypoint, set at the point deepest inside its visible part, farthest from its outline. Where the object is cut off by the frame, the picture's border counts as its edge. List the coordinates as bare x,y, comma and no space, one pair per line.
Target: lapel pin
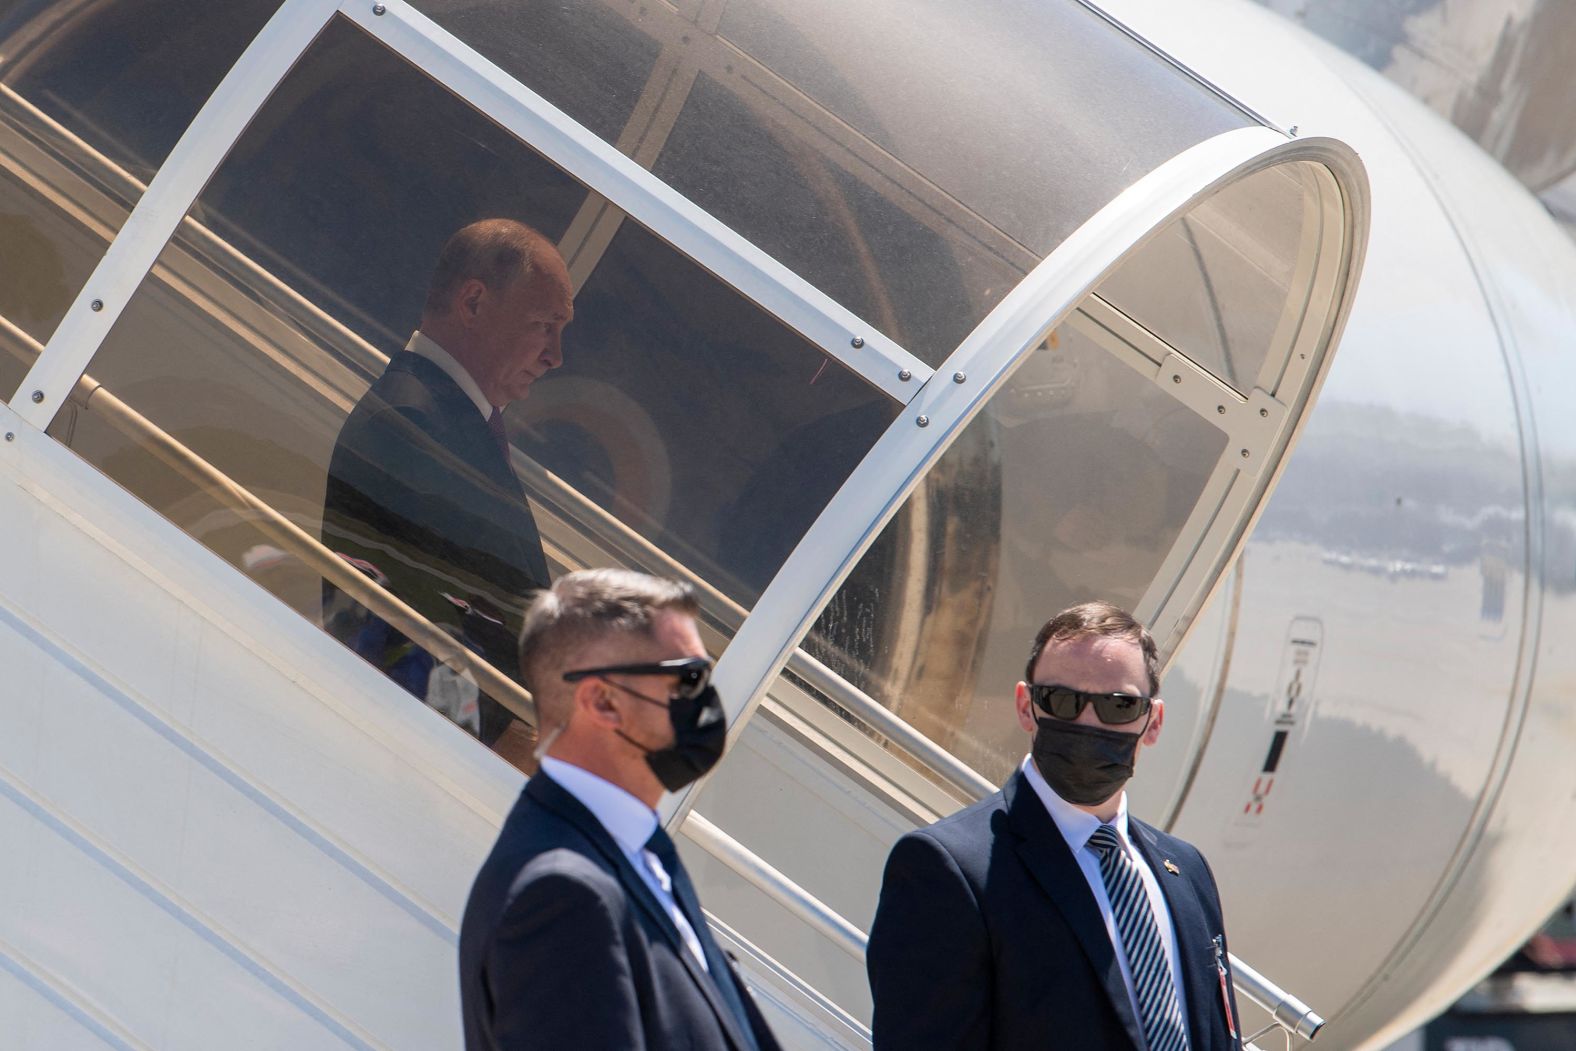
1171,867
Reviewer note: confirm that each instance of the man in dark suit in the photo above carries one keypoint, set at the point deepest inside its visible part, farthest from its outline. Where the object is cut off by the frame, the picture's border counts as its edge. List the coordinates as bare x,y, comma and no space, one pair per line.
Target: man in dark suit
583,930
1045,915
421,493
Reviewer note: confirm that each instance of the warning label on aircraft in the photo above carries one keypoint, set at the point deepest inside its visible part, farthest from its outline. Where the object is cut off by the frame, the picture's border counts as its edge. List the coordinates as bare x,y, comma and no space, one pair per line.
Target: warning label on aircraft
1288,713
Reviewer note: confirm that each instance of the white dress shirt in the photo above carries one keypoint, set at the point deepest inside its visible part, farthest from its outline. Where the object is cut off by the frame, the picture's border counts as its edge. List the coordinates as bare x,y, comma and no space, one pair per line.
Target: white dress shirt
422,344
1076,826
630,822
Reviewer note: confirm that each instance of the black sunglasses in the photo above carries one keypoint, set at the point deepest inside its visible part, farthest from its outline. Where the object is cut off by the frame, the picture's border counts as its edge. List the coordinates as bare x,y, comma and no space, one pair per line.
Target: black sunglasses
1064,702
694,674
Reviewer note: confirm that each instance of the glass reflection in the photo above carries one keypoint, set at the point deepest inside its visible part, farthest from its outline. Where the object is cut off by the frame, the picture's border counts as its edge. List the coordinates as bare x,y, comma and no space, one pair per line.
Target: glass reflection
124,78
1217,282
591,60
1072,484
989,123
685,423
46,258
922,274
708,428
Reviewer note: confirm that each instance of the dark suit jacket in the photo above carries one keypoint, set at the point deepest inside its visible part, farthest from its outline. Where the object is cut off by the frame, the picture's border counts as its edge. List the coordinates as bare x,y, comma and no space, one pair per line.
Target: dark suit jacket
988,936
418,487
563,946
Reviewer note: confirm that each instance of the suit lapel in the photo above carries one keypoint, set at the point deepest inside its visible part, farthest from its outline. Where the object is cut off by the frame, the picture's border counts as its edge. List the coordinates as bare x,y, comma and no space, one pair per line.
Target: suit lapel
473,445
1045,854
550,794
1194,938
469,434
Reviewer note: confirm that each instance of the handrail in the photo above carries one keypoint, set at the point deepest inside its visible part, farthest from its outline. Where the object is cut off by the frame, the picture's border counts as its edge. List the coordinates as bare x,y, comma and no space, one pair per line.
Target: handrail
291,538
1288,1013
616,535
804,905
891,726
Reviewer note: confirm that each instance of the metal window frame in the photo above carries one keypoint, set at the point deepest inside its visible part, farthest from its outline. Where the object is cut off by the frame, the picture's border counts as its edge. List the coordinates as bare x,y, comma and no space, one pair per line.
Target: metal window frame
168,198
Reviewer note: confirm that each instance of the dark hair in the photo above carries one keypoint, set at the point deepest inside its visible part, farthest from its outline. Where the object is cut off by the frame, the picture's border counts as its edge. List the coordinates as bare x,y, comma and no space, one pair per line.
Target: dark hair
581,609
1096,620
492,251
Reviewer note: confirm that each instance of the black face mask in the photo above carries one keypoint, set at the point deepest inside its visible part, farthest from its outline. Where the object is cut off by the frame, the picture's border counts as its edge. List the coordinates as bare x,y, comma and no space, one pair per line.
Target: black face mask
1085,765
700,732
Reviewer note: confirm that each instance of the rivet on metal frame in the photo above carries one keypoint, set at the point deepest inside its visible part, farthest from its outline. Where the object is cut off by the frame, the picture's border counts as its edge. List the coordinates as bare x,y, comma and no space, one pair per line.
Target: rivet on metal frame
923,421
905,375
97,305
1245,454
959,377
378,9
38,396
10,436
857,342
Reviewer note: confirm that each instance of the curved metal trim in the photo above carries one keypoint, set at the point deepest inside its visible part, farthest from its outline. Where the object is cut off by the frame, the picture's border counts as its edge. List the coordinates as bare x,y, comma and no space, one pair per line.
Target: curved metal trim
1532,599
895,464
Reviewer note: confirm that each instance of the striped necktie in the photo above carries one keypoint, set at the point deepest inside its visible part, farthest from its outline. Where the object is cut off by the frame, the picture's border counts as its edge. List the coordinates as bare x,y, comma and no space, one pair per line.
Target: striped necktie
1158,1010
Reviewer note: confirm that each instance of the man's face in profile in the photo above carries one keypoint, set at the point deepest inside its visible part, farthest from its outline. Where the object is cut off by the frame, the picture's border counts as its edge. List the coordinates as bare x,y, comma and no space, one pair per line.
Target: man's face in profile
523,324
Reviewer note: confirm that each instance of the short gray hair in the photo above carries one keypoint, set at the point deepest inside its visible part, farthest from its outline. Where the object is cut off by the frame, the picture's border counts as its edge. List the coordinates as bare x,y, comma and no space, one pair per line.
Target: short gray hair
581,609
493,251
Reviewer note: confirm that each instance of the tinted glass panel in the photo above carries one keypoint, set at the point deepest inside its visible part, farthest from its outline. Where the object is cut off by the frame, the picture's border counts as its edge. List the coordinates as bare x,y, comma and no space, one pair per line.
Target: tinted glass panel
1032,114
590,59
45,258
1073,484
907,261
709,429
124,78
684,423
916,201
1216,283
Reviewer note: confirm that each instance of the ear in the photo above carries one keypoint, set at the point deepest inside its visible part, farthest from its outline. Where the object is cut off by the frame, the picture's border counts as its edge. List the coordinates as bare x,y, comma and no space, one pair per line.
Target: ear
468,298
1025,706
593,702
1157,717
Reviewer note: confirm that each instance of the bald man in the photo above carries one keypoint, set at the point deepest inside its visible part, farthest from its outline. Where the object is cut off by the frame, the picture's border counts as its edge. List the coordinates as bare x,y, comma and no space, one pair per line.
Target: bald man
421,493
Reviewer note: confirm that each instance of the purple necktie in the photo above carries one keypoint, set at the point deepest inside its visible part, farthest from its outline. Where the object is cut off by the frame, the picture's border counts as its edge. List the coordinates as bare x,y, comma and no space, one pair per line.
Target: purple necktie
499,433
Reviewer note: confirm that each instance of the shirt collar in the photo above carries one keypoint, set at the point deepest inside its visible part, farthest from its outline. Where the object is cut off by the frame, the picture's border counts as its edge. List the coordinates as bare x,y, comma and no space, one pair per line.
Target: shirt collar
629,821
1075,825
421,344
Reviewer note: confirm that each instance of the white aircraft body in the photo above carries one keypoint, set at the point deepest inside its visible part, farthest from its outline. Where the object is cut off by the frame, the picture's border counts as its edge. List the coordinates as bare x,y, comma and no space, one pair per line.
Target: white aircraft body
900,325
